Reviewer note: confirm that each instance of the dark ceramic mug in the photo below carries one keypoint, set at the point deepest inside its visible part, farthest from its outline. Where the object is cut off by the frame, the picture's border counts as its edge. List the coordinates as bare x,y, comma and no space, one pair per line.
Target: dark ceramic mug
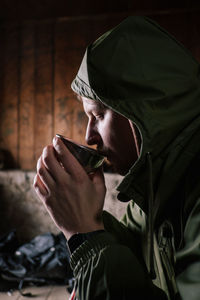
89,158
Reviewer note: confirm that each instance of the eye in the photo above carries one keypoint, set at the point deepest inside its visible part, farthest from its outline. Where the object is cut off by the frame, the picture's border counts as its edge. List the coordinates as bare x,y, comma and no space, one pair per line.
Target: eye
99,116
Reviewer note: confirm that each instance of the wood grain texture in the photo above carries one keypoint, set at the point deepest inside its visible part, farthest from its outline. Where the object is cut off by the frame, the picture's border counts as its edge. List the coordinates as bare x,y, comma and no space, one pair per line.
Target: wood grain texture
69,48
63,105
27,97
43,106
39,60
9,89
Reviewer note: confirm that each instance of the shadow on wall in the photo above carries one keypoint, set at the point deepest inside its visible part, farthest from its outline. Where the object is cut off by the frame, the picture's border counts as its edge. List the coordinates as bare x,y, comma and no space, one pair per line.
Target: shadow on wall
21,210
6,160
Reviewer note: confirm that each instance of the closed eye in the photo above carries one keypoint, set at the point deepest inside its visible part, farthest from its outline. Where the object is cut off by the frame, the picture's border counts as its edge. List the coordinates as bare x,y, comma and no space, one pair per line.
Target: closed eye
99,116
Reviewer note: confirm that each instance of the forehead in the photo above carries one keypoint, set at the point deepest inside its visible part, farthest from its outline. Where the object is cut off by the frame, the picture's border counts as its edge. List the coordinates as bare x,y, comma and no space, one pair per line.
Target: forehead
92,104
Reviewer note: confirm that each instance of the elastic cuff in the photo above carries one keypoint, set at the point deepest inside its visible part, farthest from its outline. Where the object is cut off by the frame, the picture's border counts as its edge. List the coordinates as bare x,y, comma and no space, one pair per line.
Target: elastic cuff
77,239
90,248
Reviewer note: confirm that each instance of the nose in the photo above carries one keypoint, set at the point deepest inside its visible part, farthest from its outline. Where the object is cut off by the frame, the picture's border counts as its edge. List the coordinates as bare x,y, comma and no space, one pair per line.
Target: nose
92,136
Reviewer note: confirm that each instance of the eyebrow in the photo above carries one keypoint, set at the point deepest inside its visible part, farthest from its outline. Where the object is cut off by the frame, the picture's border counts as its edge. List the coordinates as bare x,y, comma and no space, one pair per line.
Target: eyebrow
100,104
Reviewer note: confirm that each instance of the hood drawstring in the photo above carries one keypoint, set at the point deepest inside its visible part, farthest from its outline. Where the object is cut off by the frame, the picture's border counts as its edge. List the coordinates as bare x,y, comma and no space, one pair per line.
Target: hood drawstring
150,224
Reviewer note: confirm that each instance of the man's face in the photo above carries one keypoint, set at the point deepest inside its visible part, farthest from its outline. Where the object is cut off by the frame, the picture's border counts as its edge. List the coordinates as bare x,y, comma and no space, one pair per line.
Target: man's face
112,134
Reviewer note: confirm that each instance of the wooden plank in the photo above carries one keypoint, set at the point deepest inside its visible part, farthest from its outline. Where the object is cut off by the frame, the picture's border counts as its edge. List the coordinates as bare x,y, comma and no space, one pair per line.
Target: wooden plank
43,88
9,89
81,39
80,123
27,96
79,119
79,116
70,43
63,106
2,77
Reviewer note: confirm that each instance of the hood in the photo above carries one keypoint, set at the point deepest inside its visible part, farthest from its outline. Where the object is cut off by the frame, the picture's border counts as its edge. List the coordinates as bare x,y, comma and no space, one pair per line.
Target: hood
143,73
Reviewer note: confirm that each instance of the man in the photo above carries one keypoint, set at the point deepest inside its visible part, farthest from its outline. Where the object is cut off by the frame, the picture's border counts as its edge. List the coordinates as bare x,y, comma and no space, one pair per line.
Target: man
140,90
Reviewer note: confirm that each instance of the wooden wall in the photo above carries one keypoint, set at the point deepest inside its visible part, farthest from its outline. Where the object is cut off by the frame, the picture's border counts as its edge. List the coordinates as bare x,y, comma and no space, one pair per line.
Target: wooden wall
38,61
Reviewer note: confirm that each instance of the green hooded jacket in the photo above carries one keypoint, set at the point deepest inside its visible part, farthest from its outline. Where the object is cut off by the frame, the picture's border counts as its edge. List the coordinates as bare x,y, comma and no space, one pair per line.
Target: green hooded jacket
140,71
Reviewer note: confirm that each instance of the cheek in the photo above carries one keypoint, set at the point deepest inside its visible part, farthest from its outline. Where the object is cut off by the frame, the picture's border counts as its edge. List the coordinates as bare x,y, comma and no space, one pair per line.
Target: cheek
105,131
113,130
122,137
110,137
106,137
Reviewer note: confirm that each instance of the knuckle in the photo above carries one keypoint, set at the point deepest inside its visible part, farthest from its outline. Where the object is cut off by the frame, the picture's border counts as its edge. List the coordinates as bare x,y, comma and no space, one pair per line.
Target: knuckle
46,160
60,150
46,154
61,153
47,149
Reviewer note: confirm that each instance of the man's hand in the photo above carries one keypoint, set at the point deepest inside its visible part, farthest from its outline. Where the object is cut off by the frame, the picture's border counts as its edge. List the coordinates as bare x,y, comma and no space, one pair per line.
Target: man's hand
73,199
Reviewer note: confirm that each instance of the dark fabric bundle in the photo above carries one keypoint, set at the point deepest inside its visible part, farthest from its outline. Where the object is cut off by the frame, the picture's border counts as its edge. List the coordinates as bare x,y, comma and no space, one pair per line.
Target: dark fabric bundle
42,261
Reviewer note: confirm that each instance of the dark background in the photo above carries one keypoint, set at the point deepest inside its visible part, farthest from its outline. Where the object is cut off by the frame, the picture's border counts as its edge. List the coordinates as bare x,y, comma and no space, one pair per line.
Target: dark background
45,9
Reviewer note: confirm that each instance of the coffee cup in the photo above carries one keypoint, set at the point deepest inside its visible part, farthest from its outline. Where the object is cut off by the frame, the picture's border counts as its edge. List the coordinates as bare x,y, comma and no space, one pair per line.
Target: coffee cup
89,158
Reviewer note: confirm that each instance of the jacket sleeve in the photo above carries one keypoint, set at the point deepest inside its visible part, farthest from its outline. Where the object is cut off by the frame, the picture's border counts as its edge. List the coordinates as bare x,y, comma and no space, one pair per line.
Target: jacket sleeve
108,266
188,258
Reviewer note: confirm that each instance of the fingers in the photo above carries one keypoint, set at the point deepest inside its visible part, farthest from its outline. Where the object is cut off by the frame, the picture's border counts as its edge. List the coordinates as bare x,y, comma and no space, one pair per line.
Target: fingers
44,175
43,181
70,163
55,168
40,188
69,198
52,164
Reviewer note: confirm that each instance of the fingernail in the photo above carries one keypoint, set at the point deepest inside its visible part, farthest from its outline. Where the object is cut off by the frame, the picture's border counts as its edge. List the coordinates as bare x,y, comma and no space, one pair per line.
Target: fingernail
55,140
